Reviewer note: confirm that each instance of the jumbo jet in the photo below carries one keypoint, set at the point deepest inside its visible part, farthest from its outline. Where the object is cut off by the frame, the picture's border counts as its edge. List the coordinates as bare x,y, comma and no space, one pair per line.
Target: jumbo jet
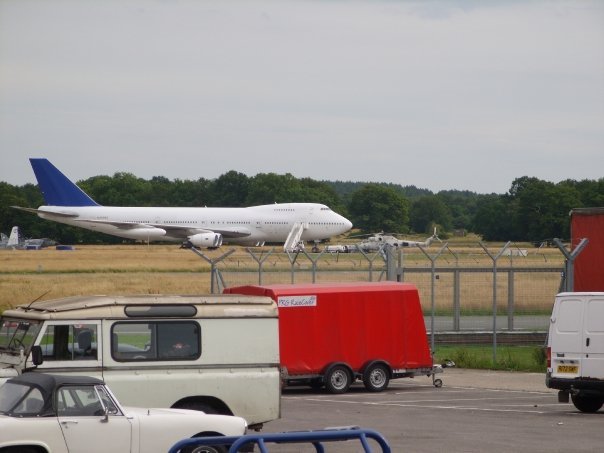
287,223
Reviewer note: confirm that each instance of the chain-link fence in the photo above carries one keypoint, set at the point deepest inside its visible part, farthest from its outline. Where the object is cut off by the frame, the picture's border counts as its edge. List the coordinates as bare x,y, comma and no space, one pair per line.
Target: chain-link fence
464,290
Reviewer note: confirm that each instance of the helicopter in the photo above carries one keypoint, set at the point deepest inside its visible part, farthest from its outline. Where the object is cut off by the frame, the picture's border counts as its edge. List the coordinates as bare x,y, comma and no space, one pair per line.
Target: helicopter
376,241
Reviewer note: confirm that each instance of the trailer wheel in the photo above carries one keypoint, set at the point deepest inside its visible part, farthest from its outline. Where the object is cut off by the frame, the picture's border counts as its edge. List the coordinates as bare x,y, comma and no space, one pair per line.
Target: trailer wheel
338,379
376,377
438,383
587,403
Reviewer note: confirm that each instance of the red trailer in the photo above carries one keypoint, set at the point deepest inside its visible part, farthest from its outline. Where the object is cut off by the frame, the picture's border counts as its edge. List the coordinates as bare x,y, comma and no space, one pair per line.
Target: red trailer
588,223
332,334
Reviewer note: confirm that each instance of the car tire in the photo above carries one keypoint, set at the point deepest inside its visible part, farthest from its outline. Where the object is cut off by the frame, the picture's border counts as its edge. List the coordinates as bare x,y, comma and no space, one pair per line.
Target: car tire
589,404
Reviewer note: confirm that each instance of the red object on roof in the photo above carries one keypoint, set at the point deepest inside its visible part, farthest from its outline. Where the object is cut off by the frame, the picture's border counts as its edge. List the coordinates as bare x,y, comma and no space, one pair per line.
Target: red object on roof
588,223
353,323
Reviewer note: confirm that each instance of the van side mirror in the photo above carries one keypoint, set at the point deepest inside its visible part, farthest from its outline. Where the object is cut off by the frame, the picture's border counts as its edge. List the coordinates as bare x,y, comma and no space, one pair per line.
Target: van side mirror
36,355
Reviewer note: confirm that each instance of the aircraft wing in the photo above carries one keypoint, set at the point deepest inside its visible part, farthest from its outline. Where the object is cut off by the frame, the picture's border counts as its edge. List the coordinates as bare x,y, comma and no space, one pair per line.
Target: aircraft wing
228,233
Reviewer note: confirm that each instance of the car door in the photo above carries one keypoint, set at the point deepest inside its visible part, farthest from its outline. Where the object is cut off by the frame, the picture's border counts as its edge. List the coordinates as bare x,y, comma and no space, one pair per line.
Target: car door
90,421
72,347
593,338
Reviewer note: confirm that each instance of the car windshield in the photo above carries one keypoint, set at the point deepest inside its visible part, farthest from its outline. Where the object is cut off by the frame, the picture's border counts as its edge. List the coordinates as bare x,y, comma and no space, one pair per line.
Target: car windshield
16,334
20,400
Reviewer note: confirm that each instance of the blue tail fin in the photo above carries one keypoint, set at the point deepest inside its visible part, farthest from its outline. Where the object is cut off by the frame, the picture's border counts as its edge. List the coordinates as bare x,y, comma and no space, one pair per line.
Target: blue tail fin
56,188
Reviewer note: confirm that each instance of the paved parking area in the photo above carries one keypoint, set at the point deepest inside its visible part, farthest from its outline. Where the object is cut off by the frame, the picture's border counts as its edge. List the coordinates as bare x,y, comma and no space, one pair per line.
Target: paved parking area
474,411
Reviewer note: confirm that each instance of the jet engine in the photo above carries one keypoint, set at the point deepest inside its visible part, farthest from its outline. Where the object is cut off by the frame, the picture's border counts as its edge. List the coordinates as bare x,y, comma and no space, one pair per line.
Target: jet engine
144,234
208,240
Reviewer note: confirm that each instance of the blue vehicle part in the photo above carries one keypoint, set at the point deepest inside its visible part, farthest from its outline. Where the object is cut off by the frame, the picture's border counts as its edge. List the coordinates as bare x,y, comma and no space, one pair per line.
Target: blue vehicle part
290,437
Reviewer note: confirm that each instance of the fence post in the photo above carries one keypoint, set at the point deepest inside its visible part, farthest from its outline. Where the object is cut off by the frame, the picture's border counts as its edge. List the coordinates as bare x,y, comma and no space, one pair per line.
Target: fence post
314,263
569,264
432,301
456,300
495,258
292,262
390,263
370,260
214,274
260,261
511,300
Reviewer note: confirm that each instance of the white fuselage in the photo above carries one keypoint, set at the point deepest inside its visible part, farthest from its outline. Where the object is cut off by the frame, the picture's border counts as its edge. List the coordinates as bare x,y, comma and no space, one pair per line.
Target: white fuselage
246,226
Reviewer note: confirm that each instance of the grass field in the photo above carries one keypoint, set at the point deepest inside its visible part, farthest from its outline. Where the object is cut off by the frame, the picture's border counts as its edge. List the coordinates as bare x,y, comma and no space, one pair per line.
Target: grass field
510,358
26,275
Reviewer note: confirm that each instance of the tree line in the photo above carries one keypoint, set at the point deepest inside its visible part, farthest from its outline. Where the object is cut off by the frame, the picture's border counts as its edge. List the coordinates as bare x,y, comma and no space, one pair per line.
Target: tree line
532,209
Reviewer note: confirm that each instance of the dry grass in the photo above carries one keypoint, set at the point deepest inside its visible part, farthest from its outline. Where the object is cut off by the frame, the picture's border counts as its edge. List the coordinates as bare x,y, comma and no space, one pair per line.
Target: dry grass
141,269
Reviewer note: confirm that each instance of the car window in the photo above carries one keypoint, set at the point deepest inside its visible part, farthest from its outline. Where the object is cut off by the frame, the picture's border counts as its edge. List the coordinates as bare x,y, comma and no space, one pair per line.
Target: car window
81,401
157,340
108,403
69,342
30,405
21,400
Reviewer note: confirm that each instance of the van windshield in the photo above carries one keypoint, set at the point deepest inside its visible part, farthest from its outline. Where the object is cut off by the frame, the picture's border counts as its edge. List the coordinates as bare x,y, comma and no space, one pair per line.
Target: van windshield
17,334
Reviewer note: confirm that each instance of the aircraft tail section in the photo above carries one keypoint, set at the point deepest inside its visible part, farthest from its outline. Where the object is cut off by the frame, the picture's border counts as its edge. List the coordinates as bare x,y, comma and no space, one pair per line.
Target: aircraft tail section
56,188
13,239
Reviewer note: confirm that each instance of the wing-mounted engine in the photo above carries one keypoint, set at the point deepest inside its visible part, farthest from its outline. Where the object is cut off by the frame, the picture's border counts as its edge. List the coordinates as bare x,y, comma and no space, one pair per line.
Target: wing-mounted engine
204,240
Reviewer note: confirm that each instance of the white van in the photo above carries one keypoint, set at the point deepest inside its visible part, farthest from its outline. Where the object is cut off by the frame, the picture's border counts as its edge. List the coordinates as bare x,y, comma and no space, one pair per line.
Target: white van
575,353
216,353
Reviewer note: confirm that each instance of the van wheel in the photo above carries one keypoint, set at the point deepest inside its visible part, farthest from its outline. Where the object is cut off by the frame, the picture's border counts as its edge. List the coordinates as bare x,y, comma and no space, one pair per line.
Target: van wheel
338,379
376,378
587,403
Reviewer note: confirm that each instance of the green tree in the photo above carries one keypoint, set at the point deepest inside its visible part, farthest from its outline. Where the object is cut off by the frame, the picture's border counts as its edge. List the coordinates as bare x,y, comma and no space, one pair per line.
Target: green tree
429,210
492,220
377,208
230,189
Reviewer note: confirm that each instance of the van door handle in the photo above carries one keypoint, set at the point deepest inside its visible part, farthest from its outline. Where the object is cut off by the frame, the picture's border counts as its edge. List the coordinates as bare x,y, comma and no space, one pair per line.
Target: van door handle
587,342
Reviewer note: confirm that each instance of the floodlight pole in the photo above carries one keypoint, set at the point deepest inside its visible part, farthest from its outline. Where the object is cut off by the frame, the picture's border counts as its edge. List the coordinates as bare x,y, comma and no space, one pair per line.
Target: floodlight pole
495,258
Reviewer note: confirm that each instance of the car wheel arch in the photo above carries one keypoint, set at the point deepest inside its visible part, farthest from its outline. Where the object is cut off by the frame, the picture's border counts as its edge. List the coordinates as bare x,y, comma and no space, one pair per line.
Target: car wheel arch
207,404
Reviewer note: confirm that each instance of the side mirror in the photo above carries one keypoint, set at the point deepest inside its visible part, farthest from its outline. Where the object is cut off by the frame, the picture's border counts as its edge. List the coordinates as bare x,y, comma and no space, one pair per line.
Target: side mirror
36,355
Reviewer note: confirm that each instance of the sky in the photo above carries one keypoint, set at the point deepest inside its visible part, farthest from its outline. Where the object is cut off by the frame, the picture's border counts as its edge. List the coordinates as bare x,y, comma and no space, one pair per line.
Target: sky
440,94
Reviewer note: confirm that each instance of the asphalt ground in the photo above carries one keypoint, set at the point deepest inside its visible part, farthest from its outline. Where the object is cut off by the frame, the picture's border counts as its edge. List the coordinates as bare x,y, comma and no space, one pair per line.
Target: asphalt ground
474,411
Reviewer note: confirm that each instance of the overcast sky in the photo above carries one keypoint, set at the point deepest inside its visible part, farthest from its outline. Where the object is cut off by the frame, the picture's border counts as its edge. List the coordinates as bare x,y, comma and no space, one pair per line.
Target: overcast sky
465,95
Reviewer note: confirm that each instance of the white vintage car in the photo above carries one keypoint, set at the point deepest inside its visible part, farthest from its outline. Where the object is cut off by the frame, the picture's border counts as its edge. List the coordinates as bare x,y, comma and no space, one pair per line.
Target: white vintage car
44,413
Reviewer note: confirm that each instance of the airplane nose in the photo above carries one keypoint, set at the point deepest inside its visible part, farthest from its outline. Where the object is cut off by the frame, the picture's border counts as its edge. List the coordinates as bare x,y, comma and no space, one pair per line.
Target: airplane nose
347,224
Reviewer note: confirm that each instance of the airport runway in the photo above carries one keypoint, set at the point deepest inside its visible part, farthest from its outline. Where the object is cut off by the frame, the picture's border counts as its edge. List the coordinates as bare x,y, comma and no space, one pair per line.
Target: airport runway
474,411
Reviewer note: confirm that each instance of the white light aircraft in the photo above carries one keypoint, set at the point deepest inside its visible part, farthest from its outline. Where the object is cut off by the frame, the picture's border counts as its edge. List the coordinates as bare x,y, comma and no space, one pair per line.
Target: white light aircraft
287,223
